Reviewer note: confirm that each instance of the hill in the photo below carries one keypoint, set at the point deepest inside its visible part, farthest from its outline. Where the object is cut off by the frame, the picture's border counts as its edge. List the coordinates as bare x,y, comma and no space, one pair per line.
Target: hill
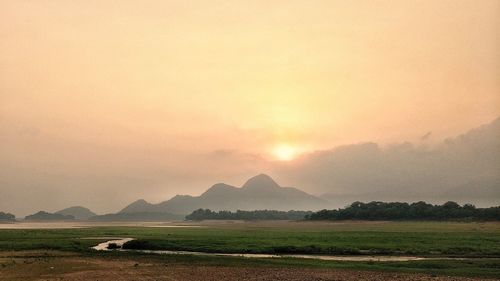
44,216
78,212
7,217
258,193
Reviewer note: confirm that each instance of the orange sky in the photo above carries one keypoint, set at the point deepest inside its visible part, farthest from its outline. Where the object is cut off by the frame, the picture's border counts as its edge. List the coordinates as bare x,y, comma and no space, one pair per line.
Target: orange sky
95,89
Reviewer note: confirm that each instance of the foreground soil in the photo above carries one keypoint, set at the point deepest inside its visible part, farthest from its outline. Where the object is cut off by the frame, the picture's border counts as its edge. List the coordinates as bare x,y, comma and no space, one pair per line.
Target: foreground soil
50,265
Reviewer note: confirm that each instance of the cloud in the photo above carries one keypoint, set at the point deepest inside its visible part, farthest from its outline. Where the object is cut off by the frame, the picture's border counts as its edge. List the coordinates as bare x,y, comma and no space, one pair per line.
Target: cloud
464,168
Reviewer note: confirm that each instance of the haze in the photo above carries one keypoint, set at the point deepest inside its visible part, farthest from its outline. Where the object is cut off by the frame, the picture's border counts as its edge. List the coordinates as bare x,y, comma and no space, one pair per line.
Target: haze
104,102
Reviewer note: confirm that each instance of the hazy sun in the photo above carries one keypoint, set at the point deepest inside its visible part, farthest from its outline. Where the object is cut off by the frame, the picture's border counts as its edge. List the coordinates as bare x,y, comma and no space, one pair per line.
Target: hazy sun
284,152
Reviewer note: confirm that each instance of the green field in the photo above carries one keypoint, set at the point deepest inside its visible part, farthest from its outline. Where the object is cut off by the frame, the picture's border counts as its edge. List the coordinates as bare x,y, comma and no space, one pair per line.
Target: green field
474,241
395,238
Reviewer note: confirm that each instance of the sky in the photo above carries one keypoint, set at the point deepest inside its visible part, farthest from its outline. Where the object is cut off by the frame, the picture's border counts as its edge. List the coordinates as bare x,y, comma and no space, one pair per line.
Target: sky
106,102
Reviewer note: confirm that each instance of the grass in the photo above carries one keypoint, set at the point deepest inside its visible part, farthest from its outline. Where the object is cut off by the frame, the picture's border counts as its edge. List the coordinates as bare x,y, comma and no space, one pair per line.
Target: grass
391,238
489,268
327,242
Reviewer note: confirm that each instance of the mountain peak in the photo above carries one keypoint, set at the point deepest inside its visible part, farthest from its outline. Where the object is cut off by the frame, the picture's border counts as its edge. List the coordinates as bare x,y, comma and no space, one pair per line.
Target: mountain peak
218,188
135,206
261,181
79,212
258,193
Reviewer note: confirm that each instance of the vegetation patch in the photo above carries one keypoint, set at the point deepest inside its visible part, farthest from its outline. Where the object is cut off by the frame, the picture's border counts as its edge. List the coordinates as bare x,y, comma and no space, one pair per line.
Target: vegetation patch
479,242
403,211
207,214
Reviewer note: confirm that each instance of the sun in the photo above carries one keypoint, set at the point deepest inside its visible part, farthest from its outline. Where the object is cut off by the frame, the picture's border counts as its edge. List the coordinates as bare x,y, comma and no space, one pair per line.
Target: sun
284,152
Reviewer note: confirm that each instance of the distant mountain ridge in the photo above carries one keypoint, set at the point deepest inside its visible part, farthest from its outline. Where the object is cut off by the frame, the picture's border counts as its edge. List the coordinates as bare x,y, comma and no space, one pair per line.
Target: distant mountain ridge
258,193
7,217
78,212
45,216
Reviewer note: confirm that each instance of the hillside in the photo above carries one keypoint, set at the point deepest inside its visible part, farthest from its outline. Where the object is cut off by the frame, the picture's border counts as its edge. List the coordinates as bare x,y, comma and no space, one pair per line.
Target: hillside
44,216
7,217
258,193
78,212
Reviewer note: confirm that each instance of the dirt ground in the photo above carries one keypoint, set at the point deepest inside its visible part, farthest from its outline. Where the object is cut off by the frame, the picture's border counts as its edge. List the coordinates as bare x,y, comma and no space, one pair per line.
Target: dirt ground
67,266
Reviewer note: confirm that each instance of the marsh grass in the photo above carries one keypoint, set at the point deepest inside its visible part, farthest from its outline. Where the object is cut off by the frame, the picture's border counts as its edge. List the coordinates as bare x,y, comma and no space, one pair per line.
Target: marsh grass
434,239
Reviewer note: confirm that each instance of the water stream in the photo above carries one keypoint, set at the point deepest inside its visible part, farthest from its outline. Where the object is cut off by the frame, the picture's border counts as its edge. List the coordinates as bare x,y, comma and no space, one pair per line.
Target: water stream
120,241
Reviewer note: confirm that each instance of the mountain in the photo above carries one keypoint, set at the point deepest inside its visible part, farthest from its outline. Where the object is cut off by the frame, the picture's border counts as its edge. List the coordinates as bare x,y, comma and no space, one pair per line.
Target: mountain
78,212
137,207
44,216
258,193
7,217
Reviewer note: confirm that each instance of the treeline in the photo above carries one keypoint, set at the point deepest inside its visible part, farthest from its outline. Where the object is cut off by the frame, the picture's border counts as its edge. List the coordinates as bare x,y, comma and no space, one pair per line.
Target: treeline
206,214
7,217
143,216
404,211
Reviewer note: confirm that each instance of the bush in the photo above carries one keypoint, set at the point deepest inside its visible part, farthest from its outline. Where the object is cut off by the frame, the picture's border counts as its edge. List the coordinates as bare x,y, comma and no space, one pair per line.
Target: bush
113,246
139,245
